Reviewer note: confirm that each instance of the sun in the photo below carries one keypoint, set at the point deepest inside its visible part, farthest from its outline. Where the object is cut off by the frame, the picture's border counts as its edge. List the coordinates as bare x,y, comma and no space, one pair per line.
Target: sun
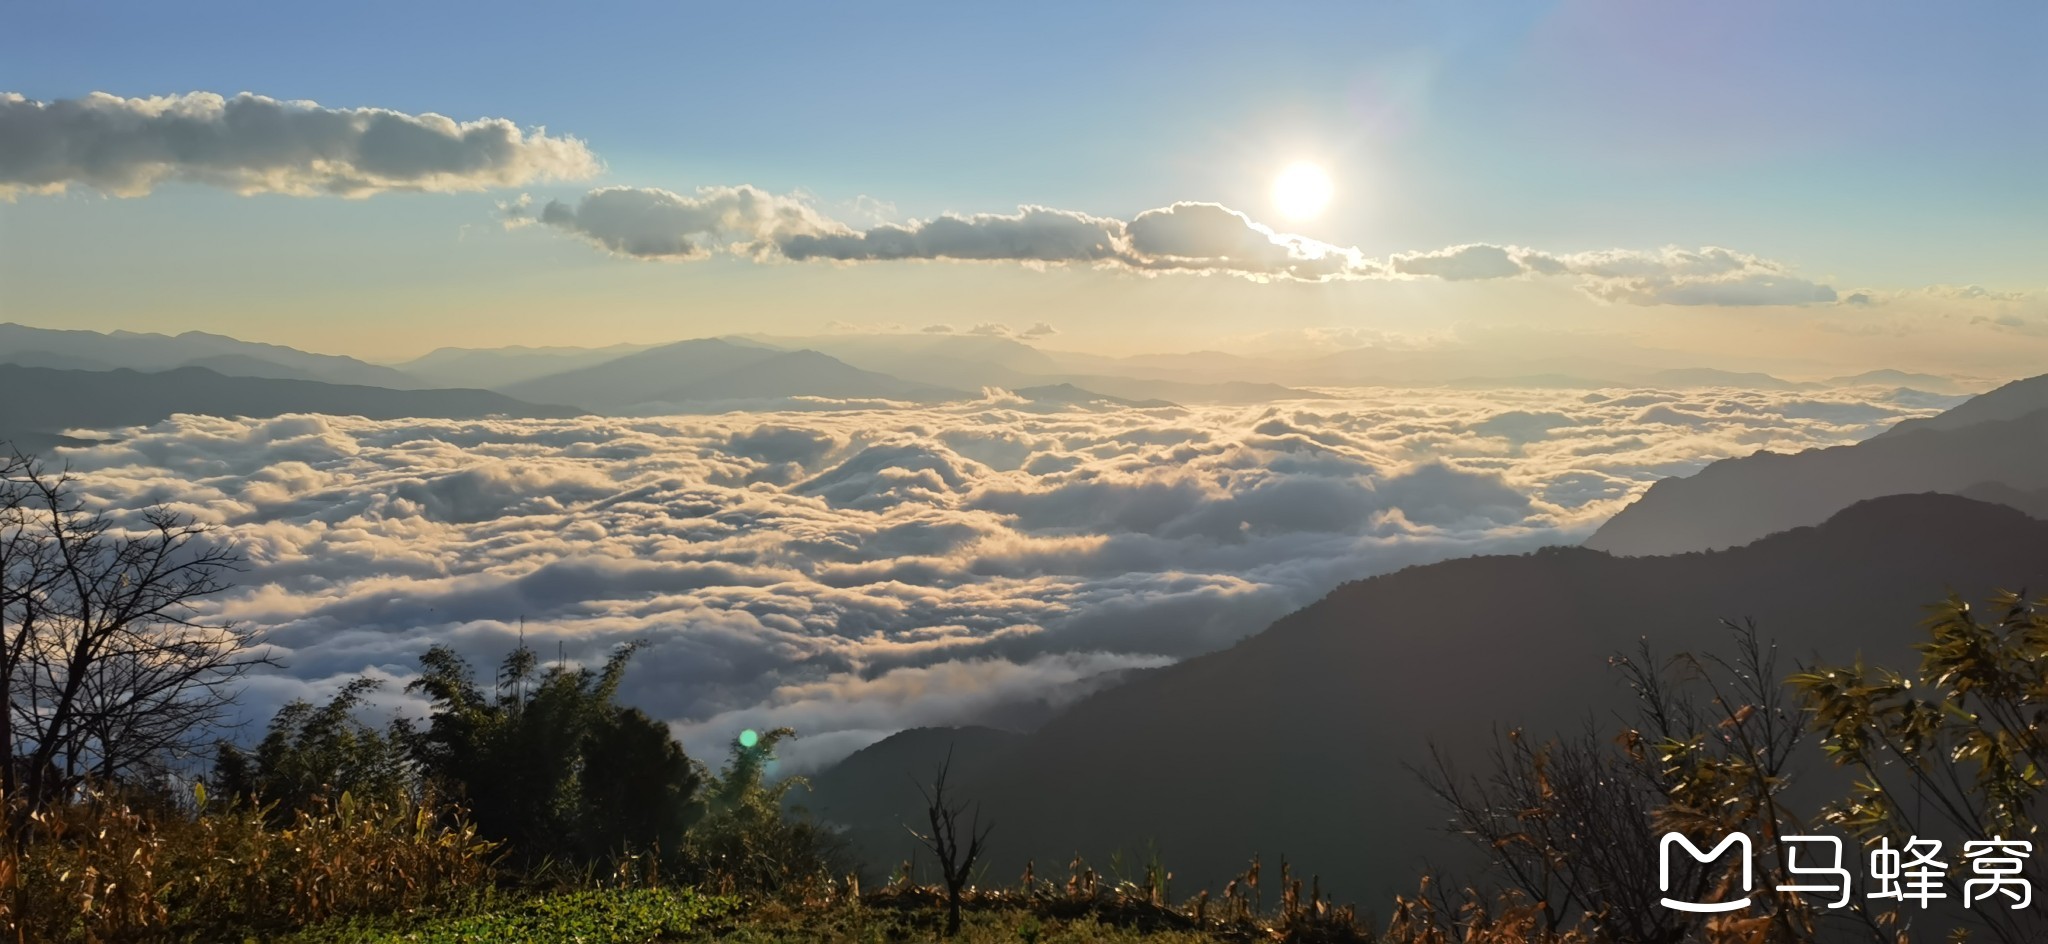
1301,191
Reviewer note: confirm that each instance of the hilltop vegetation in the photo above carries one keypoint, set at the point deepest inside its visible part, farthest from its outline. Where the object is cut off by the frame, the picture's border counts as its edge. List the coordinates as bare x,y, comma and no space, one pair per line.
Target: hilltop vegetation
535,807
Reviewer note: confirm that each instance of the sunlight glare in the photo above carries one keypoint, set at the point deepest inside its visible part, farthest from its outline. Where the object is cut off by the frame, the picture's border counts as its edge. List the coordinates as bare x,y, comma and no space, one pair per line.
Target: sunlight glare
1302,191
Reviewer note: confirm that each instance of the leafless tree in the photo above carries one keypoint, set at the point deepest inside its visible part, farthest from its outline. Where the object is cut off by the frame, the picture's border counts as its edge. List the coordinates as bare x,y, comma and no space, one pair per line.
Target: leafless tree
107,664
956,862
1566,822
1571,823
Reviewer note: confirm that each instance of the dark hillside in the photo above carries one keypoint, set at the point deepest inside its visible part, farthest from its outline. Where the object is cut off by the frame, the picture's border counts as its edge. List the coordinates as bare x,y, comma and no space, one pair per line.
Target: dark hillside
1296,740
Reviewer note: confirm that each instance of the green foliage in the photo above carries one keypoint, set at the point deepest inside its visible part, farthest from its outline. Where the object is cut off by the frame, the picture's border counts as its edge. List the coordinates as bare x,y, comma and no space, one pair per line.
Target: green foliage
312,754
585,916
549,763
750,840
1978,704
1958,751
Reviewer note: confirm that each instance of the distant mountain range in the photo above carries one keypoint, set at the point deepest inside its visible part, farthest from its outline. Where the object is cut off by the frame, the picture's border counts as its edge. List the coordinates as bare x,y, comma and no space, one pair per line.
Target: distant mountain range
1066,394
1709,377
491,368
1994,445
973,362
92,350
918,367
1298,741
2009,402
719,370
39,403
1899,378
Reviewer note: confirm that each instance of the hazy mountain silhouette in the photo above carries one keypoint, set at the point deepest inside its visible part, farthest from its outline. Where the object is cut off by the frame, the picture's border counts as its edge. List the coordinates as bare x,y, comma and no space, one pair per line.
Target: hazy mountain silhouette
964,361
865,791
973,362
1710,377
1737,500
52,359
1931,383
1295,741
1068,394
639,377
711,369
2008,402
804,374
36,402
244,365
1532,382
2034,502
93,350
491,368
1199,366
1231,391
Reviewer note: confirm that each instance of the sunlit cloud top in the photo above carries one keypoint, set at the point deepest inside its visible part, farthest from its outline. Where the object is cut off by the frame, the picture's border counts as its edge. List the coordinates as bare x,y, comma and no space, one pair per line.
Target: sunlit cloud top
252,144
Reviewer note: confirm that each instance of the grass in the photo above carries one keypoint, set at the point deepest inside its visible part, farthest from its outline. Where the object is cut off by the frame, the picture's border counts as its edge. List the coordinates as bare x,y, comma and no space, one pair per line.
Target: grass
845,924
671,916
99,870
584,916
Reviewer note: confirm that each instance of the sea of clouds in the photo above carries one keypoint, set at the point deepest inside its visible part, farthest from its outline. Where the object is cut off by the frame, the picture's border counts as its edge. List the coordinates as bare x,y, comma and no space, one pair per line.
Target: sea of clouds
853,572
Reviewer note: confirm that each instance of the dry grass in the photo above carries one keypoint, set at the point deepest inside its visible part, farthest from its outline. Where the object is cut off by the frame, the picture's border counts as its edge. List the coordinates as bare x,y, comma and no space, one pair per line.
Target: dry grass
101,871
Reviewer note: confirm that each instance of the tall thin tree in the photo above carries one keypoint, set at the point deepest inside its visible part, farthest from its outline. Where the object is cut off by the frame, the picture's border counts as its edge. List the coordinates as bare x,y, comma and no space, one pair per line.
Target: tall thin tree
945,840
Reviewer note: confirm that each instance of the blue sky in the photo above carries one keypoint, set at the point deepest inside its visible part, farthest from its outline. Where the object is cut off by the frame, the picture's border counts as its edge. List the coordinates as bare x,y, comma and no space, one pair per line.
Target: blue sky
1871,145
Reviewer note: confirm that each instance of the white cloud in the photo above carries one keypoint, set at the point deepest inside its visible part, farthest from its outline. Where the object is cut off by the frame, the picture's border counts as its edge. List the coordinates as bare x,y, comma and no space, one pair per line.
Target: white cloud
1674,276
252,144
1187,237
658,224
1032,234
853,571
1458,263
1209,237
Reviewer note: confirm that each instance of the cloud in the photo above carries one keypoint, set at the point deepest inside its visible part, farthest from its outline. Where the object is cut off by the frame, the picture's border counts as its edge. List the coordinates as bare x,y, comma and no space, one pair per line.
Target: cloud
1754,289
1039,330
252,144
659,224
1186,237
1668,276
1458,263
1709,276
854,571
1032,234
1209,237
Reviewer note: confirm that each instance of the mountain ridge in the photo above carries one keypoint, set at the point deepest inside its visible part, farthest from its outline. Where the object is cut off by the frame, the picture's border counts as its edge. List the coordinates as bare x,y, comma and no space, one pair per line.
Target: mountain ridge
36,403
1991,438
152,352
1296,741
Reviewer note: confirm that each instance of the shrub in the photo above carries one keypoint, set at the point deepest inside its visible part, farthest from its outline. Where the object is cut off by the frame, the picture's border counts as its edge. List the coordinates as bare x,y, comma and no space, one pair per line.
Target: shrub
549,764
98,870
310,754
748,841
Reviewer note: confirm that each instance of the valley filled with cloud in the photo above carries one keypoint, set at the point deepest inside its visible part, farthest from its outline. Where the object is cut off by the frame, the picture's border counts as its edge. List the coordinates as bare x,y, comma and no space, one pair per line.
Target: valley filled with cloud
853,569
